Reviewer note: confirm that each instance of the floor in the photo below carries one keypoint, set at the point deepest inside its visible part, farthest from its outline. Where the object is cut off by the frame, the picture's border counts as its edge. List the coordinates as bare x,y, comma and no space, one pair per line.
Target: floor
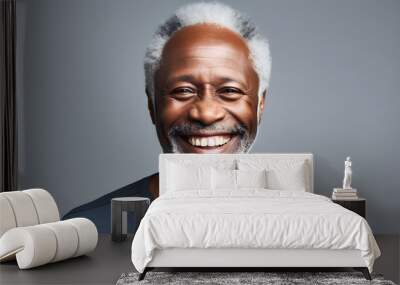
110,260
389,262
102,266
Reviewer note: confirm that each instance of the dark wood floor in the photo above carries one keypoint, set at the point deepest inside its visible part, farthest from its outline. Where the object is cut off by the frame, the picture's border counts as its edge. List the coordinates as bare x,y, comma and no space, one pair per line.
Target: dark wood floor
110,260
389,262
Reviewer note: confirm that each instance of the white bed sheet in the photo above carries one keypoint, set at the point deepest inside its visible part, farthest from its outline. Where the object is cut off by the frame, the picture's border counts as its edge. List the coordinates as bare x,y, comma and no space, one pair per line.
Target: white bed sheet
251,218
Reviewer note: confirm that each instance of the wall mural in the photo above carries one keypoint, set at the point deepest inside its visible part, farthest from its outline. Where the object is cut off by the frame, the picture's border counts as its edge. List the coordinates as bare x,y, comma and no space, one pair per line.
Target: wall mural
207,74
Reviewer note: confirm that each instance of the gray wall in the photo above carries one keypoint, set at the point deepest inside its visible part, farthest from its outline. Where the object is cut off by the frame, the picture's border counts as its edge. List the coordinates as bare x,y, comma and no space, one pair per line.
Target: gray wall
84,125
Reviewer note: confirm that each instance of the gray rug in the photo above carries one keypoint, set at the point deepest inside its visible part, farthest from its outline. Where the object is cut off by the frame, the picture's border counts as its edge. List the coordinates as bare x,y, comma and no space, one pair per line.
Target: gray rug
269,278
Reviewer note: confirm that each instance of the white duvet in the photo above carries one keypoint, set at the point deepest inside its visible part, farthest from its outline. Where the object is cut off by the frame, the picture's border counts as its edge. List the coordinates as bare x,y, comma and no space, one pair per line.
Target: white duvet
252,218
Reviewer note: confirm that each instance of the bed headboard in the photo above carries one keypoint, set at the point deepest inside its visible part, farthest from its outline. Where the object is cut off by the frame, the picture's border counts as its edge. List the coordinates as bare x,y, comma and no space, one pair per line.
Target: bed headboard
307,157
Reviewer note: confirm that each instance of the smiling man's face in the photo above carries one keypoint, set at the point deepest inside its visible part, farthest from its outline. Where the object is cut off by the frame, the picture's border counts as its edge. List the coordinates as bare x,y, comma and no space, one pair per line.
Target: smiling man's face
206,93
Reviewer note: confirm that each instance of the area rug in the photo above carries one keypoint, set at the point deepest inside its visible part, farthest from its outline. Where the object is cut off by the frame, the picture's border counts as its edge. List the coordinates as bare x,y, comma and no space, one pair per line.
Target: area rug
269,278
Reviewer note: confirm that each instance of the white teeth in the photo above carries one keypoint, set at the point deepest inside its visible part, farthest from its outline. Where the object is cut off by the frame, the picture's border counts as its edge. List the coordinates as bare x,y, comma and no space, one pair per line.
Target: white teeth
208,141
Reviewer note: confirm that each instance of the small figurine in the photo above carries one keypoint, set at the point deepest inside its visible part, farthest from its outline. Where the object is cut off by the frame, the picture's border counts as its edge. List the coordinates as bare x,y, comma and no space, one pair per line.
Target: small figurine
347,174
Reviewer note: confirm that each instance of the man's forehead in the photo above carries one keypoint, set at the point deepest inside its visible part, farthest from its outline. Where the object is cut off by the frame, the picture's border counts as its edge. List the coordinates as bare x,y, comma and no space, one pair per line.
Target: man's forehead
205,40
207,64
212,61
206,76
220,53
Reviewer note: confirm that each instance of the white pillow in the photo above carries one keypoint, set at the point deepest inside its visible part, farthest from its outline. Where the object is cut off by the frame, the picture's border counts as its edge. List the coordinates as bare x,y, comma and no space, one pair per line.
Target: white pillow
181,177
251,178
282,174
235,179
223,179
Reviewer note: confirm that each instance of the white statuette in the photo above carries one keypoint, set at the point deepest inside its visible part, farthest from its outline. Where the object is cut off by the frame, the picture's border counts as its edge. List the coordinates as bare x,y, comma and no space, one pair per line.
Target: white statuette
347,174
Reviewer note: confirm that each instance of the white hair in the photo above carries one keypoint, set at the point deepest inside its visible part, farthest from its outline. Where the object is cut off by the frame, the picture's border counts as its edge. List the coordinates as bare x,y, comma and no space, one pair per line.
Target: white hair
210,13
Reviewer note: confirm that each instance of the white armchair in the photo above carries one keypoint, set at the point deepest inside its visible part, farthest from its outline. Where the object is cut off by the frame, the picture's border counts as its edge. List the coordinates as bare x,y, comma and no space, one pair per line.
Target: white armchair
31,230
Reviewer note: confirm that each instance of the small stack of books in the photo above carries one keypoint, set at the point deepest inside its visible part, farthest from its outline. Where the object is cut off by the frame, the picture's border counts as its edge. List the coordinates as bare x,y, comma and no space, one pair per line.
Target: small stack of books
344,194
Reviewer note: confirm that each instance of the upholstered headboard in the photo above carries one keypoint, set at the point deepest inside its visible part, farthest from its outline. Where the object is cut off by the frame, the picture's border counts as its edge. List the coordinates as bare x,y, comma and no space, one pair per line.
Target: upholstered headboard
209,159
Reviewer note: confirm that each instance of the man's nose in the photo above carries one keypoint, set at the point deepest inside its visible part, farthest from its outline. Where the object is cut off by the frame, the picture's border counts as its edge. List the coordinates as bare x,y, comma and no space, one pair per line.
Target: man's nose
207,110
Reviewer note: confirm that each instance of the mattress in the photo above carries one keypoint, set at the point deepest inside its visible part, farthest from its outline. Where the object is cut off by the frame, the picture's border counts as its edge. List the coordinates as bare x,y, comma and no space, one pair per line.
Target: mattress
250,219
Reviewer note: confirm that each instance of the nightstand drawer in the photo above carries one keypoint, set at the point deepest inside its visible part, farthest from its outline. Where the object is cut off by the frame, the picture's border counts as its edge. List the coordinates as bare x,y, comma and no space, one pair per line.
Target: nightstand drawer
357,206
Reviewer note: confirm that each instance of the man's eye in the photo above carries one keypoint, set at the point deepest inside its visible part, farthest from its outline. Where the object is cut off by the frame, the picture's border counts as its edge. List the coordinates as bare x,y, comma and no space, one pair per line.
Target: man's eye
183,90
183,93
230,90
231,93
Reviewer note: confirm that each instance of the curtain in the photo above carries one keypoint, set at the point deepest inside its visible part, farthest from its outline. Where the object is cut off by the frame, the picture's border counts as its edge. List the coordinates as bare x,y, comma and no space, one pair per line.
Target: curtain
8,116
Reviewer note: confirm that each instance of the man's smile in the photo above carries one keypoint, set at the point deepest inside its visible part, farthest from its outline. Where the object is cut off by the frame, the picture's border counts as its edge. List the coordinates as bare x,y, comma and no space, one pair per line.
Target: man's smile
210,143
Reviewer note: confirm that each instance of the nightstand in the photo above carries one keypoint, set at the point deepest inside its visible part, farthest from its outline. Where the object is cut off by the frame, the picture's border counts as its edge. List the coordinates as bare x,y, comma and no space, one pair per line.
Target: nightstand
119,208
358,206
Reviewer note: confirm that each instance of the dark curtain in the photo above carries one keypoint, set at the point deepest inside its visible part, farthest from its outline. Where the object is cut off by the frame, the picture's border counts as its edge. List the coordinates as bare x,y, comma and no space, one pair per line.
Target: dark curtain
8,116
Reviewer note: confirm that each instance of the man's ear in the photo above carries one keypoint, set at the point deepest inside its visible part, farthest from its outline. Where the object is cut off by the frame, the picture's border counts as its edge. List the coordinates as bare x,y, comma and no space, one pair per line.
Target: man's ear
150,106
261,105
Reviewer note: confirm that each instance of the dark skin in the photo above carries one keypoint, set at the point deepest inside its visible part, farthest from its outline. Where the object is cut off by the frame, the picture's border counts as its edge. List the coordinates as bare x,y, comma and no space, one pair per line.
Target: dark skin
206,79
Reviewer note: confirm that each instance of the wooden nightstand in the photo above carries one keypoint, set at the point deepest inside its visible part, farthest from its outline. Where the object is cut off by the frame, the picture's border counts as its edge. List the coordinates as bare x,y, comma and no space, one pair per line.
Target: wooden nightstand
357,206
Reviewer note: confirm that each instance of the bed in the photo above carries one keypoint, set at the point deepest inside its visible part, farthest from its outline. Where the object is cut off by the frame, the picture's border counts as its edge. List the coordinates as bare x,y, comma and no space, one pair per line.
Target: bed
247,211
